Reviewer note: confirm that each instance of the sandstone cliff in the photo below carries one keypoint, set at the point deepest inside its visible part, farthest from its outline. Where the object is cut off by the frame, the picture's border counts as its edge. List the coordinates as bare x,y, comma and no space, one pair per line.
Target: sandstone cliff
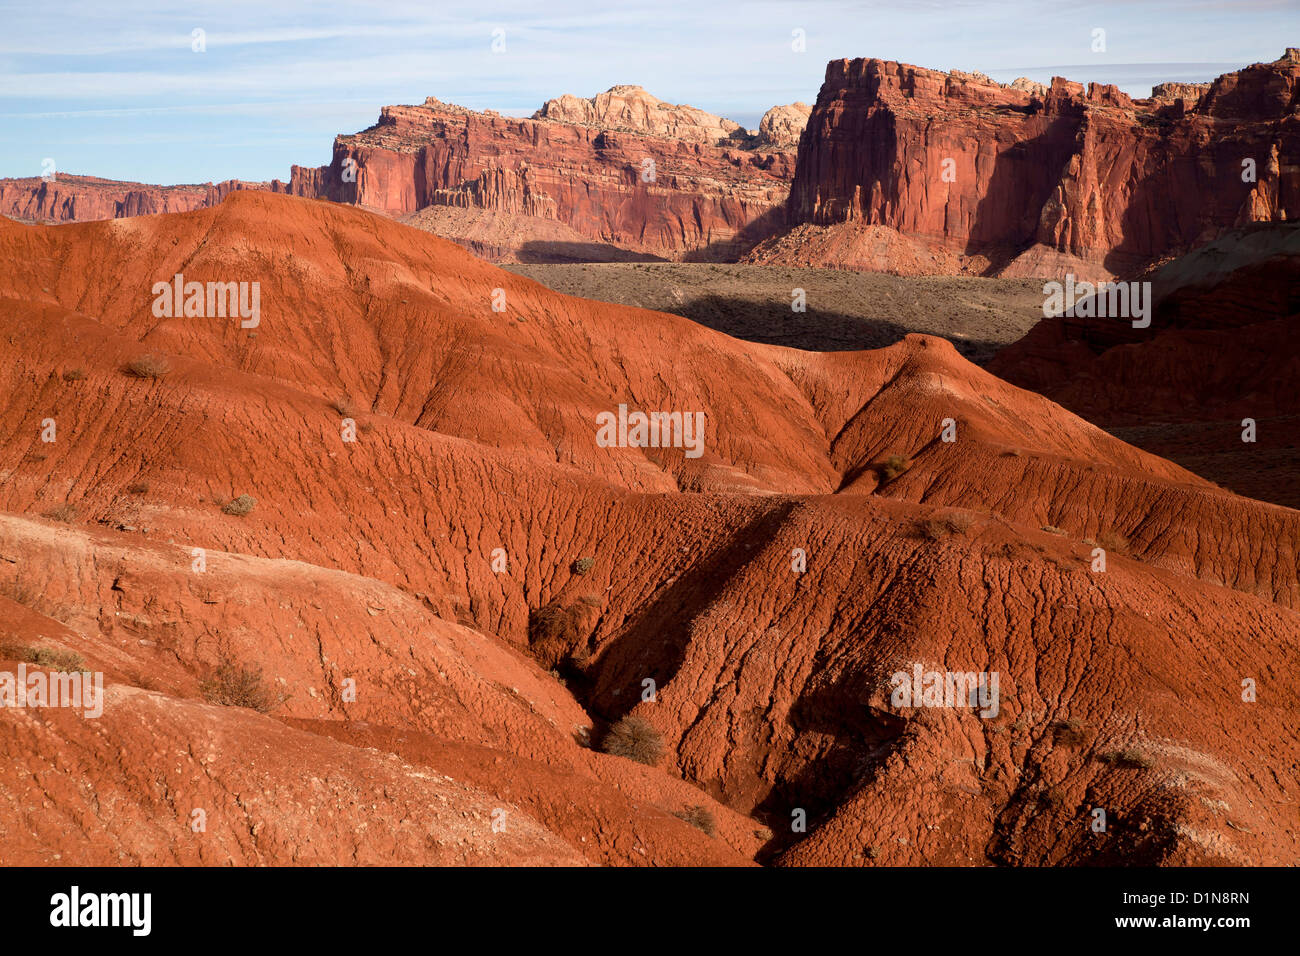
68,198
1032,180
625,174
623,169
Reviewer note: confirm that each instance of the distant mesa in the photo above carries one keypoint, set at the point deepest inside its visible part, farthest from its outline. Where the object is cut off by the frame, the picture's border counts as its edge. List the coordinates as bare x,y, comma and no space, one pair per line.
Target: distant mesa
895,167
588,164
1020,179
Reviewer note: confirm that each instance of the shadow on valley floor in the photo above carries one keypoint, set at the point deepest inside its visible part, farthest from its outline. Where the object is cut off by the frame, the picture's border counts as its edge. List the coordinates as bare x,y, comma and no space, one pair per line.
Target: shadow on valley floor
845,311
817,330
536,252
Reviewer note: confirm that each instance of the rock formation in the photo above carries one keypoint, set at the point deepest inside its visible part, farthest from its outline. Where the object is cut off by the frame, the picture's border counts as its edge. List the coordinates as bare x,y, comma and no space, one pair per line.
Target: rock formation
630,109
1223,346
69,198
1034,181
623,169
781,126
625,174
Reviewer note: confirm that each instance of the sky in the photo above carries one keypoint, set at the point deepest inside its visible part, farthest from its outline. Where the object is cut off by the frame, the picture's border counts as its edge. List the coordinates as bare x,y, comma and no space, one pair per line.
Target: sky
126,90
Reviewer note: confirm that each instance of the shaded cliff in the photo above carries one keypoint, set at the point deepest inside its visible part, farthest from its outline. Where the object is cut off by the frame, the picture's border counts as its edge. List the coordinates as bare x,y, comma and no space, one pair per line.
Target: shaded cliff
1024,179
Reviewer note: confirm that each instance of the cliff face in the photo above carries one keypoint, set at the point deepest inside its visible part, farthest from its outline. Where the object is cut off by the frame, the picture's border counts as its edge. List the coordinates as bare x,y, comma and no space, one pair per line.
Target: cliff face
624,171
1050,175
622,168
80,198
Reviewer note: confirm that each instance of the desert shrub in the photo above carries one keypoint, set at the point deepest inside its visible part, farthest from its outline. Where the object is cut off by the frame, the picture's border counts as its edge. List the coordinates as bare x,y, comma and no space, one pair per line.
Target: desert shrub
1113,541
148,366
233,685
51,657
553,634
1052,798
549,622
894,466
960,521
65,512
345,407
700,818
240,506
1068,733
56,659
940,527
1129,757
74,375
583,565
934,529
636,739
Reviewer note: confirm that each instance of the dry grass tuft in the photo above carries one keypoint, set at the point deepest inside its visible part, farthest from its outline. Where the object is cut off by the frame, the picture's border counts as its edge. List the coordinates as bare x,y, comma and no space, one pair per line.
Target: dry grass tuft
148,366
240,506
894,466
233,685
636,739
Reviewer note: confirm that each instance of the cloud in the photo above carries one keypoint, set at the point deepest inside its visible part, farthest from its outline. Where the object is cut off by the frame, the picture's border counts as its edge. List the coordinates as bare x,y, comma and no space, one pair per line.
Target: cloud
338,62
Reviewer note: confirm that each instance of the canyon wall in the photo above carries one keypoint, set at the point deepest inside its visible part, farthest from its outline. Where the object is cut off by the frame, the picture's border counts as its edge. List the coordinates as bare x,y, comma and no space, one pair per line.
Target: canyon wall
898,168
622,168
623,171
68,198
1028,177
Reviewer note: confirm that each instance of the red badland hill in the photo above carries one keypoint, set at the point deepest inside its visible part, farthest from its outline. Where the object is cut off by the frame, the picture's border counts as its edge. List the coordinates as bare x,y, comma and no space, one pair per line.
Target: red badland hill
914,170
620,175
769,588
1219,362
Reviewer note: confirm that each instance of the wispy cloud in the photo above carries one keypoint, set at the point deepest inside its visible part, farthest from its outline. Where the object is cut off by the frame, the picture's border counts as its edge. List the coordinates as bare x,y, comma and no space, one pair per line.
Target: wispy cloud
103,84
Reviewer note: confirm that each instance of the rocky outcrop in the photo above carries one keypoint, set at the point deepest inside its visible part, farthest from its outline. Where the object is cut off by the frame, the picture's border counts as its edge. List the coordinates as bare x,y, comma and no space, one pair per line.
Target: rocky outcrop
1005,171
622,168
67,198
781,126
625,171
1179,91
631,109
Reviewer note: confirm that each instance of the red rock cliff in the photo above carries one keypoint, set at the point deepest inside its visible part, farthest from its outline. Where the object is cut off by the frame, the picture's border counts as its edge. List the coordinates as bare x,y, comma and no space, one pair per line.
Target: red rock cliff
68,198
1049,172
622,168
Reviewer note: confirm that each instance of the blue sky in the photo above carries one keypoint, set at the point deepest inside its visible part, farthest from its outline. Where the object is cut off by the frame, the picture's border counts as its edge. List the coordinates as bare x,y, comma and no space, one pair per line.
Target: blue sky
115,89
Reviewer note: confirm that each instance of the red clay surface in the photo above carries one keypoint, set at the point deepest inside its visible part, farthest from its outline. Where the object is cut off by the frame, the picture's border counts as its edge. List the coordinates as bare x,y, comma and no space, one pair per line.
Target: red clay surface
373,562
